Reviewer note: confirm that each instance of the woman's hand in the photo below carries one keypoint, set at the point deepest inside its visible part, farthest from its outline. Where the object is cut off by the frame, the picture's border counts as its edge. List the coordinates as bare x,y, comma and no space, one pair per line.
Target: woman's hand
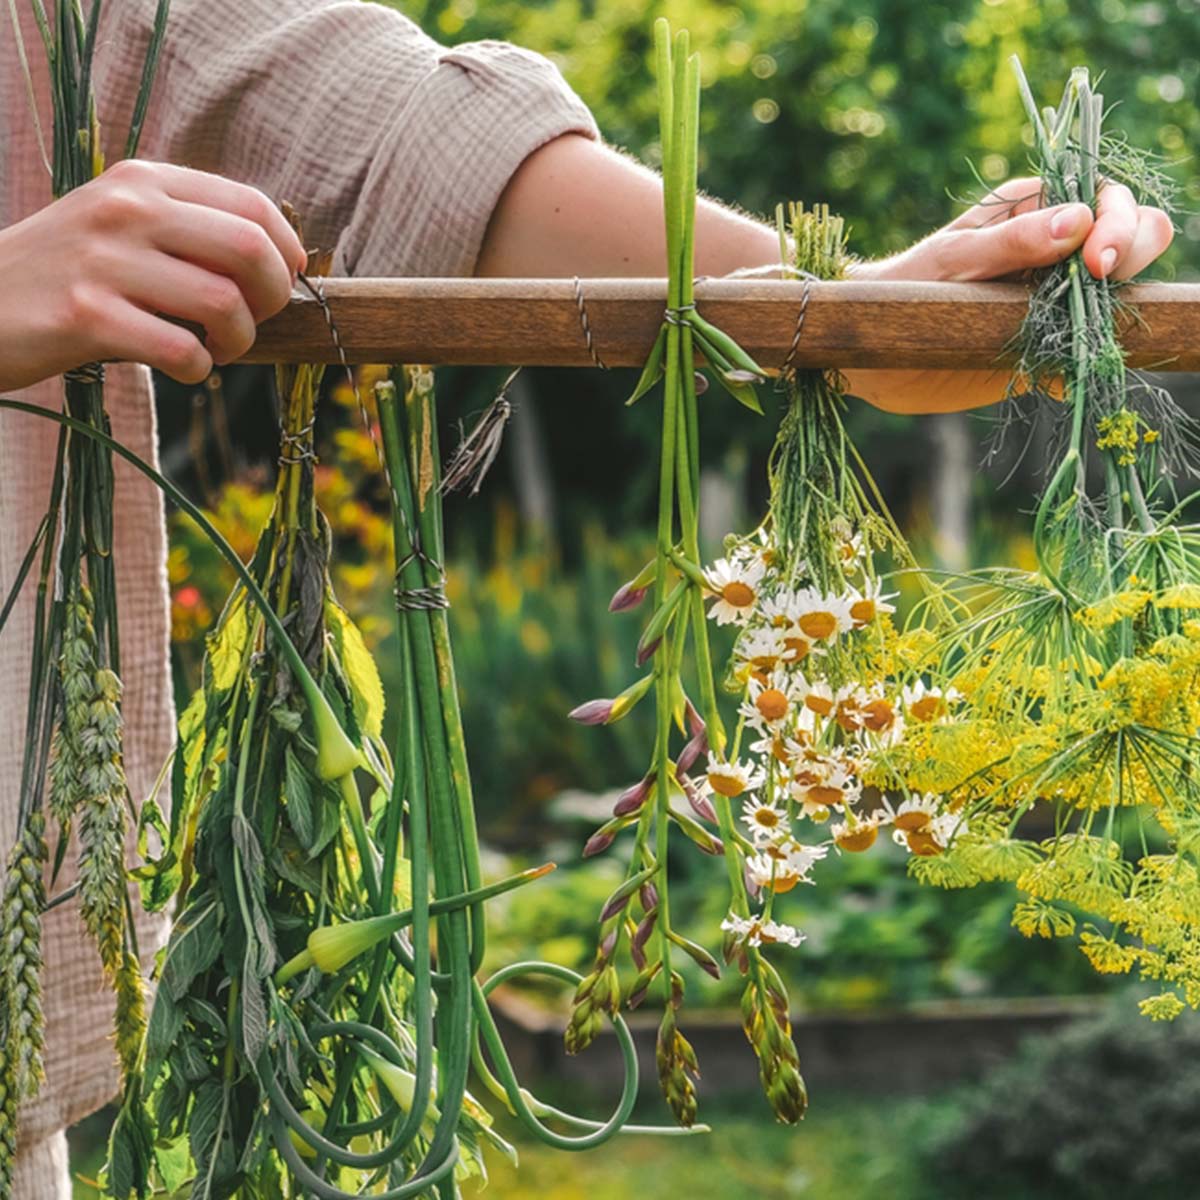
93,275
1008,232
999,238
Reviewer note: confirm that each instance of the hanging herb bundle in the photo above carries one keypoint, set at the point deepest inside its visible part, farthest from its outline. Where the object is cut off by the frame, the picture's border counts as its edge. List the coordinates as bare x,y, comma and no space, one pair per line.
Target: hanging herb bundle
74,724
636,924
1080,678
292,1046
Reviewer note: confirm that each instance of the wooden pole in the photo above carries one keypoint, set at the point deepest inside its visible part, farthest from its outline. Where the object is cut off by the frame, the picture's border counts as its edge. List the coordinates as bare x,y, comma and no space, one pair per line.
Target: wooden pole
537,322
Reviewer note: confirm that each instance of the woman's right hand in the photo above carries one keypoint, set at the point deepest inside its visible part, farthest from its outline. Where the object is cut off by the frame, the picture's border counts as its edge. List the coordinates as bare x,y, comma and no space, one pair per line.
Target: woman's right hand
93,276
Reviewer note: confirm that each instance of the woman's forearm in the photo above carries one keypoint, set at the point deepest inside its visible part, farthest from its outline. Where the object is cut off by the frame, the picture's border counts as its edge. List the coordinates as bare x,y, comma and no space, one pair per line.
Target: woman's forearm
576,207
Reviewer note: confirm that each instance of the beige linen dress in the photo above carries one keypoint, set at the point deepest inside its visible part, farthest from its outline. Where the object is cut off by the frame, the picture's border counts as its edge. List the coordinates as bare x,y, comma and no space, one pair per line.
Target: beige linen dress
392,148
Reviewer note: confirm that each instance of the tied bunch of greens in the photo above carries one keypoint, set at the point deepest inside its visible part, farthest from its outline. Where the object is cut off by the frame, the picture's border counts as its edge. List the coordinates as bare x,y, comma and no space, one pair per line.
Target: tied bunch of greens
1079,679
636,924
317,1011
276,984
74,724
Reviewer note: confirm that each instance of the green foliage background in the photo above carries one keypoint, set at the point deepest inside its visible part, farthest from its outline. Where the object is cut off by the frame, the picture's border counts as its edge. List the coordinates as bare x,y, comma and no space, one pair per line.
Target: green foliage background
874,107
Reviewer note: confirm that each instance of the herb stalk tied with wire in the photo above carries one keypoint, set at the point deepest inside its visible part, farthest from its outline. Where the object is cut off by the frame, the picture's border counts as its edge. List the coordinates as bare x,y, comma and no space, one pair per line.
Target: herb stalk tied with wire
636,923
74,727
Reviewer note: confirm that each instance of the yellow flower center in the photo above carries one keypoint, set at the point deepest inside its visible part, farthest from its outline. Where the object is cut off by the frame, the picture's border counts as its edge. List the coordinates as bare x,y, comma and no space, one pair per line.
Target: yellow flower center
824,795
772,703
817,625
726,783
912,822
923,844
784,882
861,837
878,716
796,647
821,705
926,708
862,611
738,594
768,818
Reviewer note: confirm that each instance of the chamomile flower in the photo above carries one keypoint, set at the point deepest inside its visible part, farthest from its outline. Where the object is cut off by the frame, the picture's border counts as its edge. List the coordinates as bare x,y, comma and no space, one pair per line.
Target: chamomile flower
923,702
932,838
772,701
775,745
732,778
821,617
795,647
818,698
765,820
857,836
735,585
778,874
758,931
778,611
916,812
866,605
759,652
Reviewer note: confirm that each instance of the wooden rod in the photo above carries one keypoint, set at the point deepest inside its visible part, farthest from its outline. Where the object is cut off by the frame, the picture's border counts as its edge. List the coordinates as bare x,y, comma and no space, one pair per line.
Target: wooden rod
536,322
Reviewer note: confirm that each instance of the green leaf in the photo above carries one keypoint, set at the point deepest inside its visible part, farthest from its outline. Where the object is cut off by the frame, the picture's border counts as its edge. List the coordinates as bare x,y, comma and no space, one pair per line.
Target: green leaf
362,675
209,1139
164,1026
329,818
194,946
254,1009
652,371
297,788
743,393
227,645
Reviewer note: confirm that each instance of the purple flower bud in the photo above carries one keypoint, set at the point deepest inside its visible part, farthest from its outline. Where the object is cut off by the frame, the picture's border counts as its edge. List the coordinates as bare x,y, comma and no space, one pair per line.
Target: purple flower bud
638,955
646,653
598,843
637,996
695,720
594,712
676,990
701,805
701,383
626,597
710,966
632,798
608,943
690,753
645,929
649,897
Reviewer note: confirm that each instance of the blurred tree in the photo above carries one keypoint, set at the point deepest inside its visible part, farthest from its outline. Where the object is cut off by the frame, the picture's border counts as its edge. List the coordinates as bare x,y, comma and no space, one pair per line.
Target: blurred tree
876,107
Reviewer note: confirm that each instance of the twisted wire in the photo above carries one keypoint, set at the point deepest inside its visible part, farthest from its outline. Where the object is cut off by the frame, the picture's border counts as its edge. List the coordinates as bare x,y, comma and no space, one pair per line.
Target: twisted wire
89,372
586,326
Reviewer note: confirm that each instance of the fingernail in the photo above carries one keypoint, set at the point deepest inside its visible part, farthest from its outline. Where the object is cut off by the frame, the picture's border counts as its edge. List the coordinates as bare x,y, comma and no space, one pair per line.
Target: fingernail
1064,224
1108,259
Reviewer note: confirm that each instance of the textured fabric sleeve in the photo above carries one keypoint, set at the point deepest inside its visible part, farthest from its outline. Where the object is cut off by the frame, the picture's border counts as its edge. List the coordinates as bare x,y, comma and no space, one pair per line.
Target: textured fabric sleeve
388,145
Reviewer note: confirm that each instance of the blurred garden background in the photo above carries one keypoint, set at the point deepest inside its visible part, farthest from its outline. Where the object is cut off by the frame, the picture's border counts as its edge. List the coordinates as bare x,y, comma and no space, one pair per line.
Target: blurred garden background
896,113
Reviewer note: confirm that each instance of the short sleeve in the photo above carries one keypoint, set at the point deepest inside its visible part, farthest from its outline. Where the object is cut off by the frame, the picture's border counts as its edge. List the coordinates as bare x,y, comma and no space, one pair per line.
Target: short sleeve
393,148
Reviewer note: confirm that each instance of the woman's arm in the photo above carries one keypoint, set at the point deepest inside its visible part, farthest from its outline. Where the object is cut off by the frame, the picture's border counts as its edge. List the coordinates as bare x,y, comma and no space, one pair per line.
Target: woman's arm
576,207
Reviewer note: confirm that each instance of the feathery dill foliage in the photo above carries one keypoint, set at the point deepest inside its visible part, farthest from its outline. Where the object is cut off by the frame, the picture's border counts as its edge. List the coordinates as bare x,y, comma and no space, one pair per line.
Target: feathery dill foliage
1079,680
73,735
